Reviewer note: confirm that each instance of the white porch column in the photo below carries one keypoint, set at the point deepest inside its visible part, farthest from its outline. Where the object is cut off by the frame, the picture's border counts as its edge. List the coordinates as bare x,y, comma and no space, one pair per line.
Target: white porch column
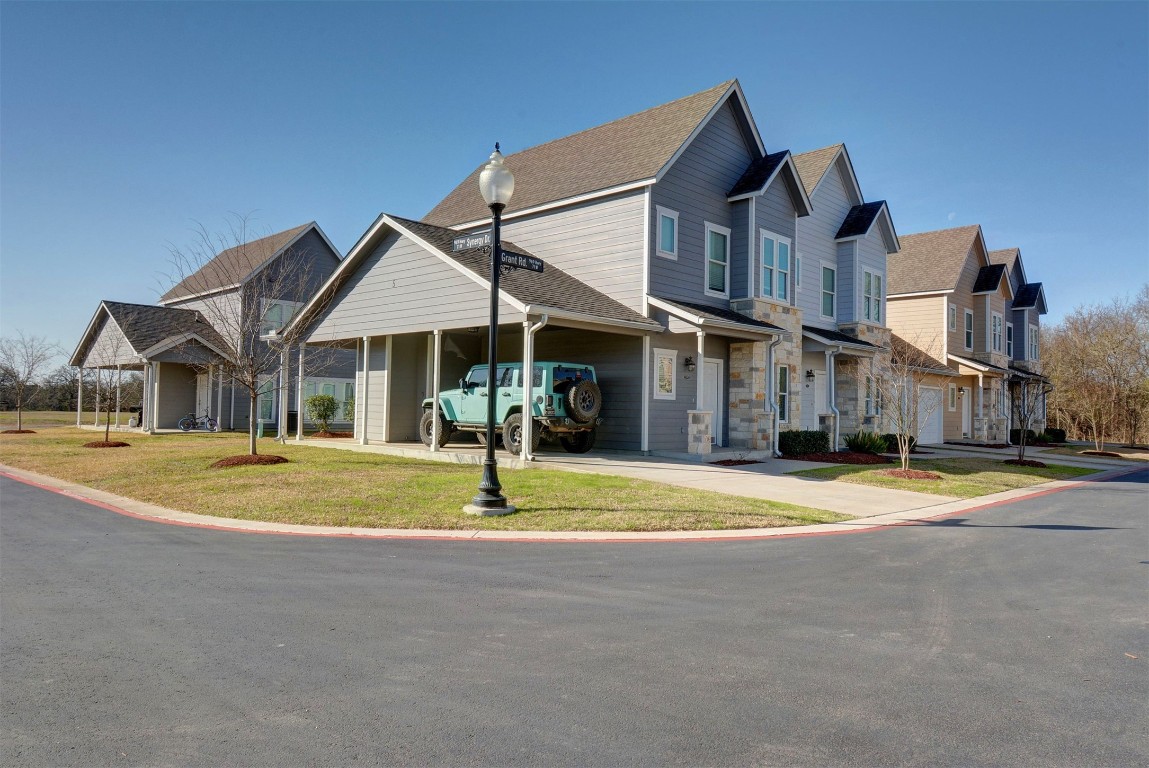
644,445
145,401
96,403
299,397
219,401
155,413
79,395
231,415
699,371
436,363
361,400
387,364
119,374
284,378
528,378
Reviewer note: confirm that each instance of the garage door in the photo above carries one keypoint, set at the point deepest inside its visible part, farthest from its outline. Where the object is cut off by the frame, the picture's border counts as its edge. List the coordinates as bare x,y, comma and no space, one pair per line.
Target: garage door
930,416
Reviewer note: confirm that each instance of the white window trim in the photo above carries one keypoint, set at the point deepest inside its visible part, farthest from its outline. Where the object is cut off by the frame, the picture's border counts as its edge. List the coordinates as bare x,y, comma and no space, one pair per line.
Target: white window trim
725,231
1032,350
797,271
967,330
822,289
953,317
266,304
1009,340
952,398
659,213
881,278
776,280
996,332
672,355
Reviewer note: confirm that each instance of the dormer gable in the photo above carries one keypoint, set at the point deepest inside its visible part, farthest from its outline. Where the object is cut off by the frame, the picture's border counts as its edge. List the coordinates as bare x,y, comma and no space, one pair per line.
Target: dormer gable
763,172
814,167
864,219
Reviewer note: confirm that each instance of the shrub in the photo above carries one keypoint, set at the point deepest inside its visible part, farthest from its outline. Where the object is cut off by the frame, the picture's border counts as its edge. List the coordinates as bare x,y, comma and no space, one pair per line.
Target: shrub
321,409
866,442
795,442
1055,435
349,408
892,442
1015,436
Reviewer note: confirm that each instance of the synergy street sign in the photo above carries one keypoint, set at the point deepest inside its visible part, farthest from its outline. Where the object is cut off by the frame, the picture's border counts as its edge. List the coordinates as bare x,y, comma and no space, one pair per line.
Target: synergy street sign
521,261
466,242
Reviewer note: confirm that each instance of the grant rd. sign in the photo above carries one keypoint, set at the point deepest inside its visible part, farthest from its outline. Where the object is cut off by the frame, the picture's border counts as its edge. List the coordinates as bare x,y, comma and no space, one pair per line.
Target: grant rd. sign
521,261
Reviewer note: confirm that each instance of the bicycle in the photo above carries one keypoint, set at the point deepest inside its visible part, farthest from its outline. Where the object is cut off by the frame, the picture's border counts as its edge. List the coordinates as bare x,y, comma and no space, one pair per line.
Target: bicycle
191,421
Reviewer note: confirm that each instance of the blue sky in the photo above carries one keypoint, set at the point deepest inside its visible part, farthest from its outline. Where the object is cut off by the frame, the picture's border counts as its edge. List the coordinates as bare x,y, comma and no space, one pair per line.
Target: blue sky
122,125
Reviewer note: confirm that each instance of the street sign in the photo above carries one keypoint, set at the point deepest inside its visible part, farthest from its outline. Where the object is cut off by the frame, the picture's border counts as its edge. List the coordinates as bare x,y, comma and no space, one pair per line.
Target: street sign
521,261
467,242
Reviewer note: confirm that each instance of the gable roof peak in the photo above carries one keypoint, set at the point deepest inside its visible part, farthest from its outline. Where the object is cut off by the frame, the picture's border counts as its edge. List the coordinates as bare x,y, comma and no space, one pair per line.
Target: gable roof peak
931,261
812,166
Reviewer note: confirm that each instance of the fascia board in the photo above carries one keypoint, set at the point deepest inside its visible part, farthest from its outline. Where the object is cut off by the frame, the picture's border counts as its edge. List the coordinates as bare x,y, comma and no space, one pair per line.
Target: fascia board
202,294
704,323
173,341
585,197
836,343
76,357
648,326
721,102
851,176
266,262
919,293
830,165
787,163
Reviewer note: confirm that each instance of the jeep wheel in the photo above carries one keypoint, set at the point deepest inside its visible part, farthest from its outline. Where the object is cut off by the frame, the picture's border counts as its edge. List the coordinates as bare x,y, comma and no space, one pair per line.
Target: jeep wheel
578,442
513,435
426,424
584,401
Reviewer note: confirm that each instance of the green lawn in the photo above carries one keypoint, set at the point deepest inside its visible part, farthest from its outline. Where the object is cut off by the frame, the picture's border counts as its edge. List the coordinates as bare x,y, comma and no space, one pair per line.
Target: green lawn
44,419
963,478
347,488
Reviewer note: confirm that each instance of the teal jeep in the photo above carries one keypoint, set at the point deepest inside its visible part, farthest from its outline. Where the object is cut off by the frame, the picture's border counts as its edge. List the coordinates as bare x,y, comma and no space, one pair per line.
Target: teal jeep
565,405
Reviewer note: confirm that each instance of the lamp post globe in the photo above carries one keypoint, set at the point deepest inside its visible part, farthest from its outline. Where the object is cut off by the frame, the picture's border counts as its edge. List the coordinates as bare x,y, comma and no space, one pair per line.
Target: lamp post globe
496,184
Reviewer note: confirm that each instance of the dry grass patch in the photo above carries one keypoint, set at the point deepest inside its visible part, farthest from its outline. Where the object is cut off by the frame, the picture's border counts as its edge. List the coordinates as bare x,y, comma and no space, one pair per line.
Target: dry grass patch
1129,453
347,488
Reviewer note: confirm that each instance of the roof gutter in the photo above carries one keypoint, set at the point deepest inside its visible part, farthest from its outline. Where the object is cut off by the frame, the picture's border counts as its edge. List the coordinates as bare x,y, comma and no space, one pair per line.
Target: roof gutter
553,312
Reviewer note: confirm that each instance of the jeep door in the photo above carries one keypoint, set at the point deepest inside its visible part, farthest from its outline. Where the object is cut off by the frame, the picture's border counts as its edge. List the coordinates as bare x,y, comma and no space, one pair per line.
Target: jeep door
473,399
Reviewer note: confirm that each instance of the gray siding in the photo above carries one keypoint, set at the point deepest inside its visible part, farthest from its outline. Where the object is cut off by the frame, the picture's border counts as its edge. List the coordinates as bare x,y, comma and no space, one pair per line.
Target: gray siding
696,186
816,244
376,389
871,258
408,379
110,348
222,311
668,417
177,394
741,249
774,211
401,288
847,268
598,242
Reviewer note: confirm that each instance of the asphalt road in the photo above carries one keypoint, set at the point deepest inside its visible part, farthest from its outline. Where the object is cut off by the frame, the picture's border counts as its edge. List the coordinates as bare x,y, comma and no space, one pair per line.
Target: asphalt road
1014,635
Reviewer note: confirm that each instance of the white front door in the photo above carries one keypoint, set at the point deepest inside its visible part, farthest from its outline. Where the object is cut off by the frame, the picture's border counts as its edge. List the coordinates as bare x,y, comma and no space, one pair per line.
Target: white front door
966,412
821,402
202,394
711,387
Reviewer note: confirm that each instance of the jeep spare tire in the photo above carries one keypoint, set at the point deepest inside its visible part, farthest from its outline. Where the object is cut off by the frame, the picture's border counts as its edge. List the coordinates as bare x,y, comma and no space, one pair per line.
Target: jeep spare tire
584,401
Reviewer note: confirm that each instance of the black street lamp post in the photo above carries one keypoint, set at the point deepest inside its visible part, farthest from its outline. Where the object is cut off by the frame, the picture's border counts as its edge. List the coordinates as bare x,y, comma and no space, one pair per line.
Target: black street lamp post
497,184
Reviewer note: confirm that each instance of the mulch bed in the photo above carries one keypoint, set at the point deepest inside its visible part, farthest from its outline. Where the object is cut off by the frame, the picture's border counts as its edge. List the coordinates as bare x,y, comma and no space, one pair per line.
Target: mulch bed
1025,463
246,460
843,457
18,432
911,474
333,434
1110,454
735,462
107,444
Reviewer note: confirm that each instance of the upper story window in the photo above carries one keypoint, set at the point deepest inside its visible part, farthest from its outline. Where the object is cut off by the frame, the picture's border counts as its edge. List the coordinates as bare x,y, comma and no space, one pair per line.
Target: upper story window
968,329
276,314
717,260
953,317
829,290
1033,342
667,233
995,332
872,296
1009,340
775,266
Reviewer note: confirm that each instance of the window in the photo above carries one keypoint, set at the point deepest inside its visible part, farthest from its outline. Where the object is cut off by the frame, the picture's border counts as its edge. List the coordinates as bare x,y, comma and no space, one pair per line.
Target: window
968,329
1009,340
775,266
995,337
829,280
872,296
717,260
276,314
953,317
783,393
667,233
1033,342
664,378
873,396
953,397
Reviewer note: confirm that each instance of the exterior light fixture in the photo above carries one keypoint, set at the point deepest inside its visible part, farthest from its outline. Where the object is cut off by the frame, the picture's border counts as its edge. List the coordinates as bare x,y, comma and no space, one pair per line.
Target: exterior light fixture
809,374
689,364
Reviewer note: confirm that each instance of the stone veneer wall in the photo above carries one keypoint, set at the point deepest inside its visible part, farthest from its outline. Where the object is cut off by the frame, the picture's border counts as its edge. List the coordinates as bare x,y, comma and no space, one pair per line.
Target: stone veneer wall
851,380
751,423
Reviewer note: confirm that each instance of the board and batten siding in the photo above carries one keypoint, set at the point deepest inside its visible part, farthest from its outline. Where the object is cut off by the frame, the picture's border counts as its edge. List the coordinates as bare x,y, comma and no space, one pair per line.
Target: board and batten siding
816,243
598,242
401,288
774,211
919,321
696,186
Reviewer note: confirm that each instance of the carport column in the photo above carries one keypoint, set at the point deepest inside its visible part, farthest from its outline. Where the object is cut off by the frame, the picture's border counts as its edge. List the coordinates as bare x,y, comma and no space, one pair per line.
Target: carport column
980,415
118,375
528,374
646,392
299,397
79,395
435,363
388,364
219,402
96,403
361,399
284,382
145,405
700,370
155,413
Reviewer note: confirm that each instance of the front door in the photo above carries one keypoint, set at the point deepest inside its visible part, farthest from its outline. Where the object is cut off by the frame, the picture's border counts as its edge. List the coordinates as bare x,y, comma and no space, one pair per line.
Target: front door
966,413
202,394
821,402
711,387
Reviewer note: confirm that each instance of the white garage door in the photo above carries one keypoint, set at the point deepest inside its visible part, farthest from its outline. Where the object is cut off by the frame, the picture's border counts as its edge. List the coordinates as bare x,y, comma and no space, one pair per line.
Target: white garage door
930,416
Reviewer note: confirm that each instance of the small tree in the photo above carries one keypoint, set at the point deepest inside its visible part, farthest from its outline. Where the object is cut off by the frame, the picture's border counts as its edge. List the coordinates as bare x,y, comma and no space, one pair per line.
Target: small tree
899,383
349,409
22,361
1028,394
321,409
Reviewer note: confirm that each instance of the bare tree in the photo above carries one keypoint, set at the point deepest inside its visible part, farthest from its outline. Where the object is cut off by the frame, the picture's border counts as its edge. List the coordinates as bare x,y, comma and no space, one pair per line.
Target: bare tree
247,289
1028,394
22,361
900,381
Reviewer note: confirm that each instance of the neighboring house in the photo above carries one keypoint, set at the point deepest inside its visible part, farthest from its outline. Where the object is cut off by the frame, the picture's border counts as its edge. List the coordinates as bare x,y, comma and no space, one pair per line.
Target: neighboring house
652,228
839,287
182,346
1023,333
946,298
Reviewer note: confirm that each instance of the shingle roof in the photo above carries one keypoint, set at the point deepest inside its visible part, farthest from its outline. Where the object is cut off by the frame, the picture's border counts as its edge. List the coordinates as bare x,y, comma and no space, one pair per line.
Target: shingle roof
757,174
145,326
1027,296
812,166
1006,256
989,278
551,288
860,218
234,265
929,261
917,358
630,149
836,336
718,313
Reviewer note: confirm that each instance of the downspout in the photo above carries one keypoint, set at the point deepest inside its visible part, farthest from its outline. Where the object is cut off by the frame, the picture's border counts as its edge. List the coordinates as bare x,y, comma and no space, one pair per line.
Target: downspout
771,395
528,378
831,393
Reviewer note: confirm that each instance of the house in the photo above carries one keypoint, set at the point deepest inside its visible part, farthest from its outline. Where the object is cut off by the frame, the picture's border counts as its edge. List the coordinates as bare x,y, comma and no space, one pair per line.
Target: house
839,288
183,346
669,239
1023,334
947,298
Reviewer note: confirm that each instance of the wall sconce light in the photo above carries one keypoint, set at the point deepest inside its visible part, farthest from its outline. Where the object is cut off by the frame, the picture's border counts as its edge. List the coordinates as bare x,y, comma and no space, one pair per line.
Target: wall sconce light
689,364
809,374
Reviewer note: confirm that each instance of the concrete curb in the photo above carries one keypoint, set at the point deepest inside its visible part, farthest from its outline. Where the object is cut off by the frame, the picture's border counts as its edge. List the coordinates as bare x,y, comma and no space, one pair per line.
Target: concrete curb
145,511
